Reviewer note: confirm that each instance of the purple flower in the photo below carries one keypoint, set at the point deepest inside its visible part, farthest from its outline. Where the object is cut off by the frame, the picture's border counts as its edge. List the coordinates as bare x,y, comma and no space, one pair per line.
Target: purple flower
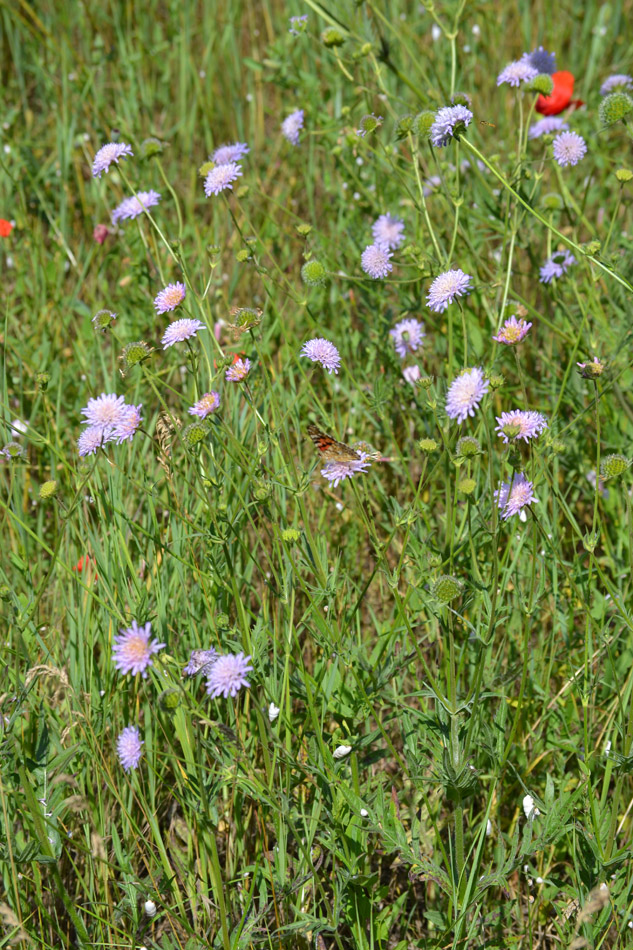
411,374
430,184
132,651
238,371
591,478
547,126
137,204
90,440
512,331
520,424
221,177
388,231
226,154
323,352
517,72
181,330
512,498
568,148
407,336
206,405
336,472
298,24
376,261
446,287
541,60
619,81
127,426
465,393
128,748
200,661
105,412
292,125
170,297
556,265
228,675
448,121
107,154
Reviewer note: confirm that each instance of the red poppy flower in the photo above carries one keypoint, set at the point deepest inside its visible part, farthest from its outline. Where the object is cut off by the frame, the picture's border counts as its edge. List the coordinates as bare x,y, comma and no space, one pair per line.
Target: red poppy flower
5,228
86,562
561,95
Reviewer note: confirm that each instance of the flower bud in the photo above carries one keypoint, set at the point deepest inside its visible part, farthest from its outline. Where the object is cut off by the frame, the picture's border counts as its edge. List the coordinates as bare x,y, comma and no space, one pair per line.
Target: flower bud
592,369
613,465
290,535
48,490
446,588
222,622
468,447
467,486
313,273
151,147
132,355
543,83
368,124
404,126
624,175
332,37
303,229
428,445
103,319
615,107
12,451
205,168
169,699
194,433
496,381
423,123
42,380
553,201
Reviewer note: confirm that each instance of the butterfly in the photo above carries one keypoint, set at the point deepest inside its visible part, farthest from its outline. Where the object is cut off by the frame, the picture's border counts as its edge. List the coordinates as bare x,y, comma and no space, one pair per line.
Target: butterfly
200,661
329,449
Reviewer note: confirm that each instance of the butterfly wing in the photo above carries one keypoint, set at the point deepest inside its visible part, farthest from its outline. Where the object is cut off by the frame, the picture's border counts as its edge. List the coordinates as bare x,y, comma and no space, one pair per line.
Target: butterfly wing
329,448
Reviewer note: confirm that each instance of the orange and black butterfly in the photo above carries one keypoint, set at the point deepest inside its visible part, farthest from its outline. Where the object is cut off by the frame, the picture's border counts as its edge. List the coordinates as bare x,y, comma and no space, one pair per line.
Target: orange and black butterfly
329,449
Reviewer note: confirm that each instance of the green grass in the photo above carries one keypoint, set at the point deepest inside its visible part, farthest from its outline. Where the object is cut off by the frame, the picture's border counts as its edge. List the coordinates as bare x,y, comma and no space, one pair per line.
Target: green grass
457,698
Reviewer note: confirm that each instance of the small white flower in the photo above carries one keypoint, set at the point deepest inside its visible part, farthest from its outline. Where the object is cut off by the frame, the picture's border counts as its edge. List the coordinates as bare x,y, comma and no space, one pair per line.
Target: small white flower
488,828
341,751
529,808
150,908
607,747
273,712
435,32
363,813
540,880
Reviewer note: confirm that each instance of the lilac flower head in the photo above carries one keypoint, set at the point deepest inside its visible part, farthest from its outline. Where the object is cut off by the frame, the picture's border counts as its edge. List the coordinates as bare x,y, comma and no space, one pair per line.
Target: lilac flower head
512,497
620,81
205,405
465,393
336,472
446,287
556,265
136,205
107,154
104,412
181,330
547,126
90,440
449,120
407,336
200,661
512,331
568,148
388,231
520,424
298,24
169,297
292,125
411,374
128,424
129,748
376,261
221,177
521,70
228,675
323,352
541,60
132,651
238,371
226,154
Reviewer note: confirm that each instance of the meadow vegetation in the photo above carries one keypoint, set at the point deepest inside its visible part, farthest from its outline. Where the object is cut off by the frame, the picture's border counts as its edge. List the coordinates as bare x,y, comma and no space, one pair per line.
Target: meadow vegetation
317,530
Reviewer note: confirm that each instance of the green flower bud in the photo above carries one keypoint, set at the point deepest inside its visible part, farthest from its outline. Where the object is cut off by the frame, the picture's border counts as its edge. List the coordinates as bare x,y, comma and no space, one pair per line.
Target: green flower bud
205,168
332,37
12,451
423,122
169,699
542,83
553,201
222,622
592,369
368,124
590,541
133,354
467,486
194,433
263,490
615,107
242,255
5,593
446,588
462,99
151,147
313,273
425,382
103,319
496,381
428,445
624,175
303,229
405,125
290,535
613,465
48,490
42,380
434,559
468,447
